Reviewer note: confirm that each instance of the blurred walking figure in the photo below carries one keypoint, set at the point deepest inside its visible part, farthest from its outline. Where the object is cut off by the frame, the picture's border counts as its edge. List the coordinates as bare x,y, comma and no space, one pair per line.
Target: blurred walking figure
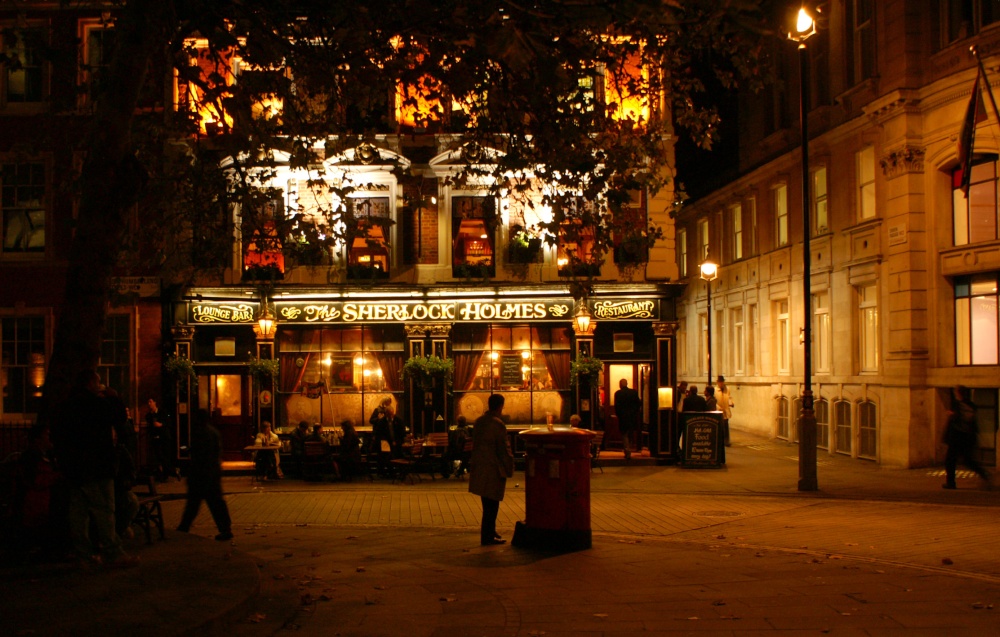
204,481
961,435
628,408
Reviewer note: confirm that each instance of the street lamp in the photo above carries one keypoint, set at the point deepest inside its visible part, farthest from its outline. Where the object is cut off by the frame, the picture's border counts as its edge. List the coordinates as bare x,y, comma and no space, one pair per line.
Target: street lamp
709,272
805,27
265,320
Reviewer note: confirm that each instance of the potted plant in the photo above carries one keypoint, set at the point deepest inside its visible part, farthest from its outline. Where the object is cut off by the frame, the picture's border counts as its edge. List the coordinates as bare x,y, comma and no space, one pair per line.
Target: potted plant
586,371
263,368
523,247
424,370
181,368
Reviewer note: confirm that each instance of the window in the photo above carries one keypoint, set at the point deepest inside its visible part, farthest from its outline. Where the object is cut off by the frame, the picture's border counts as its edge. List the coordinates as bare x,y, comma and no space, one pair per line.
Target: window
368,250
867,429
822,410
780,199
702,240
473,228
738,340
822,335
842,423
575,251
736,223
783,420
752,339
862,40
976,323
821,224
976,215
22,208
631,247
783,336
682,252
866,182
115,351
23,80
22,364
868,328
751,205
98,45
961,19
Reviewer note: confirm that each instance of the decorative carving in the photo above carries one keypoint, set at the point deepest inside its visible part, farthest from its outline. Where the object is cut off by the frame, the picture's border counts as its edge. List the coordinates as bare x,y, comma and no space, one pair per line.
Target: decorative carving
665,329
182,332
415,331
908,159
439,330
472,153
367,154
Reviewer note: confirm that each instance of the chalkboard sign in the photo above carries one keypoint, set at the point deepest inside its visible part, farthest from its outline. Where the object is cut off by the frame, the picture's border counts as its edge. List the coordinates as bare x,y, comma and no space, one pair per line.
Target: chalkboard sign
701,438
510,371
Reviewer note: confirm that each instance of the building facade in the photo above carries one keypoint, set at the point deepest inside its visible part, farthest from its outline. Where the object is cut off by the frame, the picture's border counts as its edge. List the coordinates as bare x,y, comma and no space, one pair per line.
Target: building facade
903,297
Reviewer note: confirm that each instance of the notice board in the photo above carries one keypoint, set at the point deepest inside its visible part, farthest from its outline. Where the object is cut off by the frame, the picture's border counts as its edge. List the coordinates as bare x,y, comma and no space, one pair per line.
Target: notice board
702,441
510,371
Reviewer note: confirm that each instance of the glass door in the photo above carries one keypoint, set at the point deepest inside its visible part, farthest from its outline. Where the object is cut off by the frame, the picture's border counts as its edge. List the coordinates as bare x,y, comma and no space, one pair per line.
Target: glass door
226,398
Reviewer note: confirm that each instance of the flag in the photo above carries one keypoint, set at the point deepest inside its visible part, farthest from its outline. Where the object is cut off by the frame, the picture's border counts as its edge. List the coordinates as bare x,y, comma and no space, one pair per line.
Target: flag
975,112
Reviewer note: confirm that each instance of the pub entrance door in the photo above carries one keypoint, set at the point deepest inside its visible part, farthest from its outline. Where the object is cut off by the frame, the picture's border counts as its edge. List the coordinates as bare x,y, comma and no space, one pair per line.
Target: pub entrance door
225,394
637,376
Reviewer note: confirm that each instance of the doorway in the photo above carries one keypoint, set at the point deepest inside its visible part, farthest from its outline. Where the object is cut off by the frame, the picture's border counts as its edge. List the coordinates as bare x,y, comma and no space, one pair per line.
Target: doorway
637,377
226,397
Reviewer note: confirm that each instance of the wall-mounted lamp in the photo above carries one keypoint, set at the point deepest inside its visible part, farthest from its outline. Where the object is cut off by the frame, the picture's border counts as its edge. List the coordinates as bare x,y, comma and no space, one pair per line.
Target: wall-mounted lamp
665,397
582,317
265,320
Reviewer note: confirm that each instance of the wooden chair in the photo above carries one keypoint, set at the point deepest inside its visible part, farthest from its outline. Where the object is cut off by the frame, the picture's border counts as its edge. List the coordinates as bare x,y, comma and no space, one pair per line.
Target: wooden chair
436,454
404,468
315,460
595,451
150,512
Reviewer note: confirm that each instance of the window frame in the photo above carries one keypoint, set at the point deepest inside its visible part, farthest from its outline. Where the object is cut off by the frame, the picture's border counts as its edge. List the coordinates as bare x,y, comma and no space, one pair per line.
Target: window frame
819,201
682,252
30,369
779,203
86,75
964,219
867,429
843,427
822,336
736,231
866,174
32,205
44,70
969,350
868,328
783,336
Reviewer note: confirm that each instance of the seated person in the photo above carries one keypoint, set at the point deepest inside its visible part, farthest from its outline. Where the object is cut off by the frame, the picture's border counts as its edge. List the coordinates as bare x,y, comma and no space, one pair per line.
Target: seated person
298,445
317,434
458,438
575,420
268,461
351,463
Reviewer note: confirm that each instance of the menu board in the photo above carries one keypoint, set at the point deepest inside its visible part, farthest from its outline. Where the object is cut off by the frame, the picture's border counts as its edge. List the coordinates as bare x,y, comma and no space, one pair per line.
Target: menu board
701,438
510,371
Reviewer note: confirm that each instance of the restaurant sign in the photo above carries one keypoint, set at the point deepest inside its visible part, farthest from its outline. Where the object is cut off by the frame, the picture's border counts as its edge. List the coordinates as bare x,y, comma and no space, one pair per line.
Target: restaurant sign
416,311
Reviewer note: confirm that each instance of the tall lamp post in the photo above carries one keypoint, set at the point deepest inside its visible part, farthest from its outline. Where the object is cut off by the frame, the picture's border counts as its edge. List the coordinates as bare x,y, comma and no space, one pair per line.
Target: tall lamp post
805,27
709,272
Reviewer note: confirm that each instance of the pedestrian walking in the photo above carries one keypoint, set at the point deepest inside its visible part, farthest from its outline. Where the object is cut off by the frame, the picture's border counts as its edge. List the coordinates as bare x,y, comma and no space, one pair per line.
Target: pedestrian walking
204,480
961,434
628,409
491,464
725,405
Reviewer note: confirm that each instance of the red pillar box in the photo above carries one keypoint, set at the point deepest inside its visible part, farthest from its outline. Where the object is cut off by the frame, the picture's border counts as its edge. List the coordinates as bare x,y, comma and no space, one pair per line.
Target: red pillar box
556,490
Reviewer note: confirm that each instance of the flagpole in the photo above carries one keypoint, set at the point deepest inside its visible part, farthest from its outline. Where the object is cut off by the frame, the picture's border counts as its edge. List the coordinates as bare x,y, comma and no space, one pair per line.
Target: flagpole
989,89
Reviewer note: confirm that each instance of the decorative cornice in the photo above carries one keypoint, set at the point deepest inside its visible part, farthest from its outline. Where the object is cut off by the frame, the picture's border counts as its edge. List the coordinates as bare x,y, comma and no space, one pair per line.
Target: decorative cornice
908,159
439,330
665,329
182,332
415,331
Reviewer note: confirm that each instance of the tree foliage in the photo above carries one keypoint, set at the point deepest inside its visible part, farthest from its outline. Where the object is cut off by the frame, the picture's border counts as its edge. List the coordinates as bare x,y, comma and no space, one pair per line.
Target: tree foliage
514,82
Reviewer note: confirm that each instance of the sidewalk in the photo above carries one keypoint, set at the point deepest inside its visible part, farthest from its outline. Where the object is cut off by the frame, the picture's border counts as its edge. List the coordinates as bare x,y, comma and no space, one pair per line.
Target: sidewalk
736,550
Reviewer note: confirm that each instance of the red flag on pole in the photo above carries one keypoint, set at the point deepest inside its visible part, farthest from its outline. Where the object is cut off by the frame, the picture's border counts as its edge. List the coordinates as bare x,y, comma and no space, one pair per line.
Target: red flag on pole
975,112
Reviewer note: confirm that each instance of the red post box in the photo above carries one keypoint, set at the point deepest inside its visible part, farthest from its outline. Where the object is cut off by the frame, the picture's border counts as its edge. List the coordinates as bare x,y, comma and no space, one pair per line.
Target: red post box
556,490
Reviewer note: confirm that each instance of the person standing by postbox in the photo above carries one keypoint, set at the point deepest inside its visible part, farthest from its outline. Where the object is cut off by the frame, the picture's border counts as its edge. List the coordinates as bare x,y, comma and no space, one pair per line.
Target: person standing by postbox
491,464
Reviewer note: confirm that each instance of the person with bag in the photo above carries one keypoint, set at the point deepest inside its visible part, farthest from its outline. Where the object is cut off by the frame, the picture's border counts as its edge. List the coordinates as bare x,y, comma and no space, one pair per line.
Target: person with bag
960,434
491,464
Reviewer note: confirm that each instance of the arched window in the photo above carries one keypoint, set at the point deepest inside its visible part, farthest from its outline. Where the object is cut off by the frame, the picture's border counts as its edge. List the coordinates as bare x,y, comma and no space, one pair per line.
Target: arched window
784,430
867,430
822,410
843,425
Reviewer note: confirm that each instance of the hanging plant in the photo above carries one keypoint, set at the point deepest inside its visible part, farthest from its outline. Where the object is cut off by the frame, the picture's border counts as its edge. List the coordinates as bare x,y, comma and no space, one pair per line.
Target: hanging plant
424,370
586,371
181,368
263,368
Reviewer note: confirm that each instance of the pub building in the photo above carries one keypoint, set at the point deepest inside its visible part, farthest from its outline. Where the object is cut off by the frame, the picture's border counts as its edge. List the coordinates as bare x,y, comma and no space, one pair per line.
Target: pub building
340,350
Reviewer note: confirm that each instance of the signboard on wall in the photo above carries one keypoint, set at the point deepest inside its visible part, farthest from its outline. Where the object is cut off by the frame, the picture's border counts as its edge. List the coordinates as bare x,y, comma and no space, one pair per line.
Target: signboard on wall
510,371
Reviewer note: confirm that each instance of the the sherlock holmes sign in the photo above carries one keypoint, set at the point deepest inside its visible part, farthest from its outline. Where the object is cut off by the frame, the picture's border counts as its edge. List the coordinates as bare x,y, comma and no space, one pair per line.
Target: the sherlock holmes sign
388,312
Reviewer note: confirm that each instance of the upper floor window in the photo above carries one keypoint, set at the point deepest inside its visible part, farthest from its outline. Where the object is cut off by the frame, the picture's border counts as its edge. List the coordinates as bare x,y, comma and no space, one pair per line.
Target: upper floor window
736,226
368,241
98,39
24,72
976,215
631,246
780,199
751,205
22,208
861,47
976,324
822,335
473,236
868,328
702,240
682,252
263,255
821,222
865,160
961,19
22,363
116,353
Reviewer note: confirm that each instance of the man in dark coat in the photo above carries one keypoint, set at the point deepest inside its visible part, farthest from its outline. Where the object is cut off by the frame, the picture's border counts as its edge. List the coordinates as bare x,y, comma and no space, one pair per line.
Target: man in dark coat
205,478
628,408
83,435
491,464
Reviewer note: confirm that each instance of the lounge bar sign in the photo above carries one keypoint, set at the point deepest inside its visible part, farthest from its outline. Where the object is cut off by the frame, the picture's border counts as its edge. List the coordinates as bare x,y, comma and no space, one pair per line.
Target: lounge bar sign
202,312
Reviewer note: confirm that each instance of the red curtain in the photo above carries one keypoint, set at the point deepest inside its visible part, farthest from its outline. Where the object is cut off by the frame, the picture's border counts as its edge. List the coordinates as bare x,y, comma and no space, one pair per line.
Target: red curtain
558,365
466,366
392,368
